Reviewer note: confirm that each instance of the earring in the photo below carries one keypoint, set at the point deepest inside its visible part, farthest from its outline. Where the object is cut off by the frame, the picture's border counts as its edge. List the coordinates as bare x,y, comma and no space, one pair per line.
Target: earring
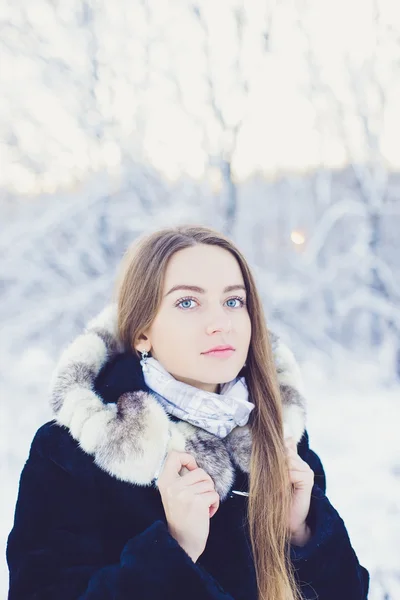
143,362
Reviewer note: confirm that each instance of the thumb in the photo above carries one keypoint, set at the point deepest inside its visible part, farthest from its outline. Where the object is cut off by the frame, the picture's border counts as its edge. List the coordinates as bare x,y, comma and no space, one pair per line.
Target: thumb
174,463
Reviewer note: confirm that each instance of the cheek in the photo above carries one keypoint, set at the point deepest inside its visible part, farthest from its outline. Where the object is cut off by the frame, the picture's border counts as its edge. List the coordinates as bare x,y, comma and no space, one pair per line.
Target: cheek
174,347
168,334
244,328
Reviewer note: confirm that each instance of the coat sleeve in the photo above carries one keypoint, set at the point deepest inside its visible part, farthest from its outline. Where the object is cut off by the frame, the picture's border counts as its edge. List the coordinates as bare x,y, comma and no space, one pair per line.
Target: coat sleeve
55,552
327,566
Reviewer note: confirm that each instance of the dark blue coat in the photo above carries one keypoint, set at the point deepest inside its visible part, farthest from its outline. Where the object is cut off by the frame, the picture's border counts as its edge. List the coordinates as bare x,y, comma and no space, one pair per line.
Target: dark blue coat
80,533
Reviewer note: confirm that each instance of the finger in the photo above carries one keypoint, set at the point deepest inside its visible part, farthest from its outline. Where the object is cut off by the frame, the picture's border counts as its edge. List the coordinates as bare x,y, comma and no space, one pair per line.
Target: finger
291,451
298,464
174,463
297,476
291,455
290,442
212,500
192,477
301,481
213,509
201,487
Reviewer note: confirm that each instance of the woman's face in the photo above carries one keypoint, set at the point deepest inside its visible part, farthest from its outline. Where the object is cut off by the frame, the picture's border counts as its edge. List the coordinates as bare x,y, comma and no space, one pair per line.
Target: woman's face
190,322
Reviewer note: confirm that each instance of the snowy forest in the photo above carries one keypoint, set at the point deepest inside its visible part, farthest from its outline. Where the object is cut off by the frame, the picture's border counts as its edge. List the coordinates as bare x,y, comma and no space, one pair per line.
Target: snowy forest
274,121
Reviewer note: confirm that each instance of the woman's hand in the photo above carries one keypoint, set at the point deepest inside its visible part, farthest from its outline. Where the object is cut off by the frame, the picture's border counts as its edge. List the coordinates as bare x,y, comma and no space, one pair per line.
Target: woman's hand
302,478
189,501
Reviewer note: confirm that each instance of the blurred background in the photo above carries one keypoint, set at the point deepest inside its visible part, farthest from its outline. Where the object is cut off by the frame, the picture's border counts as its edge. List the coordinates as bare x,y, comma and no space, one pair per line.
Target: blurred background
276,122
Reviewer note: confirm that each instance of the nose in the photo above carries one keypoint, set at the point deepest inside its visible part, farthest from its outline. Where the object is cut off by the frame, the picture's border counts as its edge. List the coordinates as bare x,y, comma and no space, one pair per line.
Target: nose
222,324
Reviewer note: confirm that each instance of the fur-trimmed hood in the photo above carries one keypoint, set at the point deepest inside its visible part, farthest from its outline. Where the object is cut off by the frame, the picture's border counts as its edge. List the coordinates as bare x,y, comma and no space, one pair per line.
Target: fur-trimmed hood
129,438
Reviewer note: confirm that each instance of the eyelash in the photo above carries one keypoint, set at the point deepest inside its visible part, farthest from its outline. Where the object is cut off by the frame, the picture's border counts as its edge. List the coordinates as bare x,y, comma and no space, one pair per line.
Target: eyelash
242,301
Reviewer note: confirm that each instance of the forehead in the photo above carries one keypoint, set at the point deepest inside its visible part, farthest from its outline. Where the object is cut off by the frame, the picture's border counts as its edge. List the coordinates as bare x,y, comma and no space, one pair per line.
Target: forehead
204,266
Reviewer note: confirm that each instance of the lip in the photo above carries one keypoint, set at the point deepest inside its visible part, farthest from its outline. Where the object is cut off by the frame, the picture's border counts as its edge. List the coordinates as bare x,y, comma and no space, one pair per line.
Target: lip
220,351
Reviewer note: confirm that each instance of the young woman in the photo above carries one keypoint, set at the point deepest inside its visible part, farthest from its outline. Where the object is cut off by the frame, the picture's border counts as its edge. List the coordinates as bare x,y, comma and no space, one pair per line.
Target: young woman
177,466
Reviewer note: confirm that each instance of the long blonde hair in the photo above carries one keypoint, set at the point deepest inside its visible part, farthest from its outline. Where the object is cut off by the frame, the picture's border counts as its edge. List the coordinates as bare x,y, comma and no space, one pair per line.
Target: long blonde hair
139,293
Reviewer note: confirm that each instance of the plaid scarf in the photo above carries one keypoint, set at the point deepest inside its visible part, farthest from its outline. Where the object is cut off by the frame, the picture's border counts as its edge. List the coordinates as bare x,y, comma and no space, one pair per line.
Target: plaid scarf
216,413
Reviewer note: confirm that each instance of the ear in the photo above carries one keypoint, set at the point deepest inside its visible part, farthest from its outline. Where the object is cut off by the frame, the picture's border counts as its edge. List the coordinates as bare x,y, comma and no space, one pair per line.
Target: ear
142,343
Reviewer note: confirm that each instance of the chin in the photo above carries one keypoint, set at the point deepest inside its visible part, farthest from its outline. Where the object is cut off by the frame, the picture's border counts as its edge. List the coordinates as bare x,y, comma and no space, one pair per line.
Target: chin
219,376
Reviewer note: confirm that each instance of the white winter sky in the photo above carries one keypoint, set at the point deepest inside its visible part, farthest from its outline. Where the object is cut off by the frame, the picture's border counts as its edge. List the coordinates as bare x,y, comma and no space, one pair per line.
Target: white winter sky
280,130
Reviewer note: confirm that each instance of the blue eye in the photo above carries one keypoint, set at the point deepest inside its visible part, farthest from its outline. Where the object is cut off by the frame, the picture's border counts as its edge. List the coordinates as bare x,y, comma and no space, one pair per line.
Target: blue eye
181,302
235,300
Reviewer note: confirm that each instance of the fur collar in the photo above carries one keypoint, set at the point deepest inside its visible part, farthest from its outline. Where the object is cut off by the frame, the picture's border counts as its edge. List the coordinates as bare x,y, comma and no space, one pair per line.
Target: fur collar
128,438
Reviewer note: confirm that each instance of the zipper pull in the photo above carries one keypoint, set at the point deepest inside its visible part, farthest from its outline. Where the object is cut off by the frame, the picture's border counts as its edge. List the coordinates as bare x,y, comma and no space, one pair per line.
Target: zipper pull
239,493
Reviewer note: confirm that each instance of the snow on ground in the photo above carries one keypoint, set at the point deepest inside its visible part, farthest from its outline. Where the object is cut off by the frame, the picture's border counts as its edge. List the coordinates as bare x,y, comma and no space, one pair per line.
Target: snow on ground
353,426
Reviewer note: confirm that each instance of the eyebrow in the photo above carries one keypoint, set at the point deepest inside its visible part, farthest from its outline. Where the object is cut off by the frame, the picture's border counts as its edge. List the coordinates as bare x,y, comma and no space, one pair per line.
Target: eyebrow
199,290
